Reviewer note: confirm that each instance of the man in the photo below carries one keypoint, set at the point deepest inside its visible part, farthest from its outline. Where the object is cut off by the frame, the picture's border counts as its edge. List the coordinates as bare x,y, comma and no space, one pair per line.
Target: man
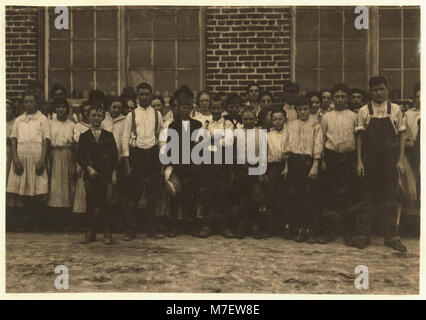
253,92
379,162
141,162
291,90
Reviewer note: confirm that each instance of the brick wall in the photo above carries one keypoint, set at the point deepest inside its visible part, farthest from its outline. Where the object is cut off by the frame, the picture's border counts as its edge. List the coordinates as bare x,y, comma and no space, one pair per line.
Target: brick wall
21,48
246,44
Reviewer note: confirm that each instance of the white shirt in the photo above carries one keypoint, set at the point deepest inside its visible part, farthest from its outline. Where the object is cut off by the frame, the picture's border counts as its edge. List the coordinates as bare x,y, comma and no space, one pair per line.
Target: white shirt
145,127
276,145
339,130
290,111
61,133
202,118
413,116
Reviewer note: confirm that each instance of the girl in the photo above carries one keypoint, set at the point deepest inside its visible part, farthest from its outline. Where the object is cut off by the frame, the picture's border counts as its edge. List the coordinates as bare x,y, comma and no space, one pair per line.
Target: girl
13,201
264,120
79,205
30,137
158,104
203,103
62,164
315,104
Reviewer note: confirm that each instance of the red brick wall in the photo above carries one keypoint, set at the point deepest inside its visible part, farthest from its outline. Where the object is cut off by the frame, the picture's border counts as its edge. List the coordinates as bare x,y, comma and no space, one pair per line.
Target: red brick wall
246,44
21,48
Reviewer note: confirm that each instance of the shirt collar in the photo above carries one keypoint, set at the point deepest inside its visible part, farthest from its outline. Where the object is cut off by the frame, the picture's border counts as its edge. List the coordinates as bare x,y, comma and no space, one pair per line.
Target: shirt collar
29,117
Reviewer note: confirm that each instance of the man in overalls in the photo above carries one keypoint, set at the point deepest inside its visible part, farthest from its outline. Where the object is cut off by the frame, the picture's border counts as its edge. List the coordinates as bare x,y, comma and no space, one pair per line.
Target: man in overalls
379,163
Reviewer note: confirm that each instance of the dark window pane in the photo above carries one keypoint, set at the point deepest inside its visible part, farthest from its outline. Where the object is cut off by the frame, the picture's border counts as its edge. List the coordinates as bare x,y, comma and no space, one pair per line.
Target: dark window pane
82,83
331,54
411,23
307,54
187,20
135,77
189,54
59,54
331,23
53,32
106,53
83,54
140,54
106,24
356,79
390,23
350,31
411,54
59,76
394,81
140,23
355,54
390,54
410,78
329,78
306,24
308,79
164,81
83,24
164,23
189,77
107,81
164,54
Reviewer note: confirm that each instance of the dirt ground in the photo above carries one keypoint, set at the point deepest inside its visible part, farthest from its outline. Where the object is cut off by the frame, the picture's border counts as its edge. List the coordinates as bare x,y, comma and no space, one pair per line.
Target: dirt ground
212,265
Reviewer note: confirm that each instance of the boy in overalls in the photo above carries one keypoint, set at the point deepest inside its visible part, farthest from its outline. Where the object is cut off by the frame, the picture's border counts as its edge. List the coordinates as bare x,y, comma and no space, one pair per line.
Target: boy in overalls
379,161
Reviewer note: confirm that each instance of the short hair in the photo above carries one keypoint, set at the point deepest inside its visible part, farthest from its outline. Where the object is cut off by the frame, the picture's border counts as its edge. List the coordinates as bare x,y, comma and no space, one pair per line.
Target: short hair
97,96
216,98
35,84
266,93
251,84
185,89
172,99
199,95
248,110
291,86
278,110
159,98
128,92
184,99
29,93
111,99
374,81
233,98
339,87
311,94
324,90
144,85
61,101
301,101
97,107
356,90
58,86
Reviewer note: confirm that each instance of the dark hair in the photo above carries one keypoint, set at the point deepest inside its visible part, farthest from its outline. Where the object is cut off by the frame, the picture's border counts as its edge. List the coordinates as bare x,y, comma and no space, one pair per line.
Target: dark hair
58,86
172,99
221,94
184,99
301,101
144,85
324,90
357,90
199,95
233,98
185,89
96,96
339,87
159,98
311,94
111,99
266,93
278,110
35,84
96,106
29,93
128,92
251,84
291,86
248,109
375,81
216,98
61,102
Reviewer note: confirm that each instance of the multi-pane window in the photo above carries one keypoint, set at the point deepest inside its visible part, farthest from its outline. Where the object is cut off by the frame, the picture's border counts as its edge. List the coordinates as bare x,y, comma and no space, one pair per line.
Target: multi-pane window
163,47
329,49
399,48
86,56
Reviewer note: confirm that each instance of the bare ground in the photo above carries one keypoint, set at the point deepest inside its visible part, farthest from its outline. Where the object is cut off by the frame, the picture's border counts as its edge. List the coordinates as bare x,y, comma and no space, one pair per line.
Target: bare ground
213,265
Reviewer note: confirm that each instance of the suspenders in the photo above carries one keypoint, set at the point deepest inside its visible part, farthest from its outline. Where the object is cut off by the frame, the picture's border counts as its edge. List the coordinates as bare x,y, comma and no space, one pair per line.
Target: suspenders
134,133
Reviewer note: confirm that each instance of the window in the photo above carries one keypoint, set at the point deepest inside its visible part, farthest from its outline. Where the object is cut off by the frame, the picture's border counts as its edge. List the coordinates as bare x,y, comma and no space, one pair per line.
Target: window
328,48
164,47
399,49
85,56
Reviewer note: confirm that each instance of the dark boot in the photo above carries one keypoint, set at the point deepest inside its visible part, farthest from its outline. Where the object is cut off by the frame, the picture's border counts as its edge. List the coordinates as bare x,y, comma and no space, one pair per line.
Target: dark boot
108,238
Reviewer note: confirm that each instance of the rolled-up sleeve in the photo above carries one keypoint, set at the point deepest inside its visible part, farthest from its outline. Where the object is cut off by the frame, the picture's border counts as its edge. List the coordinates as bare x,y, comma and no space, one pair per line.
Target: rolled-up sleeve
400,122
318,142
362,120
45,129
125,139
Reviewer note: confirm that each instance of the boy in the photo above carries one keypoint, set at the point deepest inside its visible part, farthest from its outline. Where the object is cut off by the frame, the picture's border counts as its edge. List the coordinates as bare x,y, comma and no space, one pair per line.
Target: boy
379,159
338,127
253,91
356,98
97,154
216,177
326,100
291,90
140,156
303,148
187,174
276,165
233,104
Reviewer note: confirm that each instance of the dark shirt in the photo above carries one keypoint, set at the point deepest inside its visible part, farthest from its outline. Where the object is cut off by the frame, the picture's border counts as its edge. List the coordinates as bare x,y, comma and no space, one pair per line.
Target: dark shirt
178,126
101,155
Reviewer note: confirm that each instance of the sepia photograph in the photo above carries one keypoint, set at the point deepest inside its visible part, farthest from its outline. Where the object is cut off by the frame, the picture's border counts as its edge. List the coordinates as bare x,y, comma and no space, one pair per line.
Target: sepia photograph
212,149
